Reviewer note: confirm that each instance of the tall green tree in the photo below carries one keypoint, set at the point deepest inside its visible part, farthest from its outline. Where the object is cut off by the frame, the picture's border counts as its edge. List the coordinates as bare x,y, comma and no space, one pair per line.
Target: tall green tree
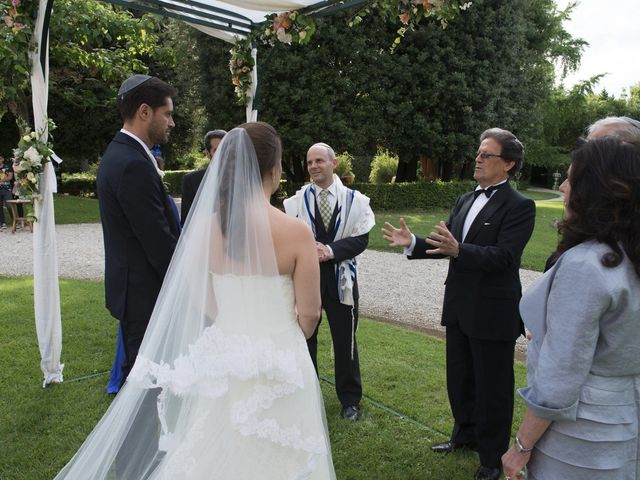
93,47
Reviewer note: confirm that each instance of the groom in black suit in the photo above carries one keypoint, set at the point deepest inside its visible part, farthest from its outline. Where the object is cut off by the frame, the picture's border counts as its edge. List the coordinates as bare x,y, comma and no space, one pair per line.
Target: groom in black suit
139,227
484,238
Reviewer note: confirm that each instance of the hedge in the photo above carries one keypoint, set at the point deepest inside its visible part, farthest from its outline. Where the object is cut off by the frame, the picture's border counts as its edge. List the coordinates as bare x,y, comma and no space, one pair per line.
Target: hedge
84,184
407,196
386,196
416,195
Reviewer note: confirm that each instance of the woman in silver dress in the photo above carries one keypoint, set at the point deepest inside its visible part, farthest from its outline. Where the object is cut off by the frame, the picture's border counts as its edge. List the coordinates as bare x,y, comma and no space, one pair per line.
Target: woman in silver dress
583,362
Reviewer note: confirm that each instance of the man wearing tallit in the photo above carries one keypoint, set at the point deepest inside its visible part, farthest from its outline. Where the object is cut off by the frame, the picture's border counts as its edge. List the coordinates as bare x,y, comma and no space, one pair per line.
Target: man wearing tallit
340,219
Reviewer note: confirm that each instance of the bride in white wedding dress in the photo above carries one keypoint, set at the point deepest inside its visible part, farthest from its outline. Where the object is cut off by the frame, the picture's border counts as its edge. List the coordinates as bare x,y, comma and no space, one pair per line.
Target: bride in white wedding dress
223,386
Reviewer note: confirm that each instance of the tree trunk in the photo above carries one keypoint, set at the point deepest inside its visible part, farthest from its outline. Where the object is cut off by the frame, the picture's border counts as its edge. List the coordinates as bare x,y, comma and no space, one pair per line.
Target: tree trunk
407,167
429,168
446,171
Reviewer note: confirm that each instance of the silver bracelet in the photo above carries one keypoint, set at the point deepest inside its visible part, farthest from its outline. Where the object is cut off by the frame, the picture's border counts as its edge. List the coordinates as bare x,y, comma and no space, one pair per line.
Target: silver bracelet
520,448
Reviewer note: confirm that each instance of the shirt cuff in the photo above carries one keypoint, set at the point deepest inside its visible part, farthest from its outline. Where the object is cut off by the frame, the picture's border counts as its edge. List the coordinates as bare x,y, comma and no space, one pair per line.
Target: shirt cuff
408,251
331,255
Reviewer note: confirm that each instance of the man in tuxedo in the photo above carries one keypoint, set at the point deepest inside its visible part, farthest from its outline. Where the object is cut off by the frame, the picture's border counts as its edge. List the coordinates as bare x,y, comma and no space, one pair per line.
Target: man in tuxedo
191,181
484,238
139,227
340,219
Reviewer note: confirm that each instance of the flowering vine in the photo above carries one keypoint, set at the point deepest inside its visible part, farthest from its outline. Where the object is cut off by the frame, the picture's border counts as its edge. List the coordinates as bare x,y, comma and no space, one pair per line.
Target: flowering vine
410,12
295,28
288,28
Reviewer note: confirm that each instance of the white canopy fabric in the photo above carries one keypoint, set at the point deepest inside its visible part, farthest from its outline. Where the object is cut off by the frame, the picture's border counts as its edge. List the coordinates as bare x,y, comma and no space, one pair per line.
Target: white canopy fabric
46,292
227,20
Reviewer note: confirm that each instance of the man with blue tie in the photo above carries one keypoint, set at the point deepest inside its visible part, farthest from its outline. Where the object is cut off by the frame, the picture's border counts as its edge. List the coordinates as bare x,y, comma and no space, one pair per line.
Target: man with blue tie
340,219
484,238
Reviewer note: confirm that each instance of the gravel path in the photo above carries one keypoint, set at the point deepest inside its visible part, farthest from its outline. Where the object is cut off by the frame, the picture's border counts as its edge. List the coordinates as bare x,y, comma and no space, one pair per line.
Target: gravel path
391,287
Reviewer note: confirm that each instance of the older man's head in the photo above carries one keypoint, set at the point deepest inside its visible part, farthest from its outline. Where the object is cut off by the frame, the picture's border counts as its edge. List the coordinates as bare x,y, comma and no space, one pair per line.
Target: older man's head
623,128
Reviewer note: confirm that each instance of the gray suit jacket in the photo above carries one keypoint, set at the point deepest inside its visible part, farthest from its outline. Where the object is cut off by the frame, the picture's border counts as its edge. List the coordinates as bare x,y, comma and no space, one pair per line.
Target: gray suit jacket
584,362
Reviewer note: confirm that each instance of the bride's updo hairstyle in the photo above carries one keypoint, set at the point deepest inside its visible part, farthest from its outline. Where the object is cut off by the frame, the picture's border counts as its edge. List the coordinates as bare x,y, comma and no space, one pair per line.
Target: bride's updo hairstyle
267,143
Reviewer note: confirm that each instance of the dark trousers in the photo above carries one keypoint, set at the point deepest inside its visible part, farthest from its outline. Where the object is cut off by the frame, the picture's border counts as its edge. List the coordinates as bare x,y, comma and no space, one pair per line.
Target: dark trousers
480,384
343,327
132,335
4,196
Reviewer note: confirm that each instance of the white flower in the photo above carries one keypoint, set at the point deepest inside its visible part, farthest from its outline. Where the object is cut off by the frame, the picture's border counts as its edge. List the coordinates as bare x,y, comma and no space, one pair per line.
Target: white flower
465,5
32,155
31,177
34,135
27,138
23,165
283,36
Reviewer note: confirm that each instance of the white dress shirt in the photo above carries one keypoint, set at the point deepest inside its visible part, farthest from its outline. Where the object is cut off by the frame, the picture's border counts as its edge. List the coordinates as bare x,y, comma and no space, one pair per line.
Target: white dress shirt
478,204
154,162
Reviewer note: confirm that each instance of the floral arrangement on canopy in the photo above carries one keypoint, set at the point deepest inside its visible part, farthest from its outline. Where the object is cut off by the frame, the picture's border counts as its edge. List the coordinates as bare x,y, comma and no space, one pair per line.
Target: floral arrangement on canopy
288,27
295,28
29,160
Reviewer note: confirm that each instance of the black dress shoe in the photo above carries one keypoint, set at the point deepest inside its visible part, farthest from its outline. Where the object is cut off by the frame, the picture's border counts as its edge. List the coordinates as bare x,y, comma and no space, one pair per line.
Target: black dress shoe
448,447
350,412
487,473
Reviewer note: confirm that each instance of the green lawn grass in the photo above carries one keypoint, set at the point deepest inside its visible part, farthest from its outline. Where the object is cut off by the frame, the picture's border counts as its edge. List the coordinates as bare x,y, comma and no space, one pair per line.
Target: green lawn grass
69,209
538,196
402,371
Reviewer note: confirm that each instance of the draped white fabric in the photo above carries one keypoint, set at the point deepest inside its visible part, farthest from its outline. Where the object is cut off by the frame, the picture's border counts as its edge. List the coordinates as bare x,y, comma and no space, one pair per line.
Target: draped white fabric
45,263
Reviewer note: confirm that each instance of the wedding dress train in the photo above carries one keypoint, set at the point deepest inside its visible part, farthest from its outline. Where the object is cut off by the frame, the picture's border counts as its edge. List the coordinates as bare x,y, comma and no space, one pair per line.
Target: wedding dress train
255,403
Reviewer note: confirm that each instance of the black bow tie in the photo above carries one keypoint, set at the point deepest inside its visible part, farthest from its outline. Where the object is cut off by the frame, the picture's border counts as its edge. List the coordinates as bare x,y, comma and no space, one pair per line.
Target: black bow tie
487,191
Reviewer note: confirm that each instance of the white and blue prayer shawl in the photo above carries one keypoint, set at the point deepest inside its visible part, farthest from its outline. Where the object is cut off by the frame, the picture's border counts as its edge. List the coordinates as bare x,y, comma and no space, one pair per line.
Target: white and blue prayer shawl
354,218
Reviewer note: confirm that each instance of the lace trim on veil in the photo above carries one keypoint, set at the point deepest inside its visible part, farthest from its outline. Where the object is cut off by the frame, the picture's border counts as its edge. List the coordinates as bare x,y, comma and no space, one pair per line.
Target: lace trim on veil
214,359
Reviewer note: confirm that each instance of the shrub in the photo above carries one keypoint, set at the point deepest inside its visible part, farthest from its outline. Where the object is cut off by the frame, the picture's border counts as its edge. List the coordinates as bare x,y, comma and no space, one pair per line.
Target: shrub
193,159
404,196
344,165
78,184
173,180
383,167
416,195
84,184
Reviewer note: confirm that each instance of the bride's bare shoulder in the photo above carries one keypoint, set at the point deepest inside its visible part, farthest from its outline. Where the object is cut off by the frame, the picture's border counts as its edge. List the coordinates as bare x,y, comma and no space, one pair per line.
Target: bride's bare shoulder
281,223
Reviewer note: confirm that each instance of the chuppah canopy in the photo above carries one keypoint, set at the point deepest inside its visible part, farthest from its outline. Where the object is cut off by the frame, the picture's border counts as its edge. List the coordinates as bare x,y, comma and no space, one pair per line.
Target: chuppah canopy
227,20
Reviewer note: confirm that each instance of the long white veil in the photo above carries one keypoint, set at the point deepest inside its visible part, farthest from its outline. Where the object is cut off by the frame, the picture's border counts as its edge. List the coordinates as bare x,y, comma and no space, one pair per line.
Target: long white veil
167,400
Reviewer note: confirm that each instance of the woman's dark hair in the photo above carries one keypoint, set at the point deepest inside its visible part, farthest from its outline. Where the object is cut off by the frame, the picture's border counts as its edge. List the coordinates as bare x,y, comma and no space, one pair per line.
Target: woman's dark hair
267,143
268,148
154,92
604,202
